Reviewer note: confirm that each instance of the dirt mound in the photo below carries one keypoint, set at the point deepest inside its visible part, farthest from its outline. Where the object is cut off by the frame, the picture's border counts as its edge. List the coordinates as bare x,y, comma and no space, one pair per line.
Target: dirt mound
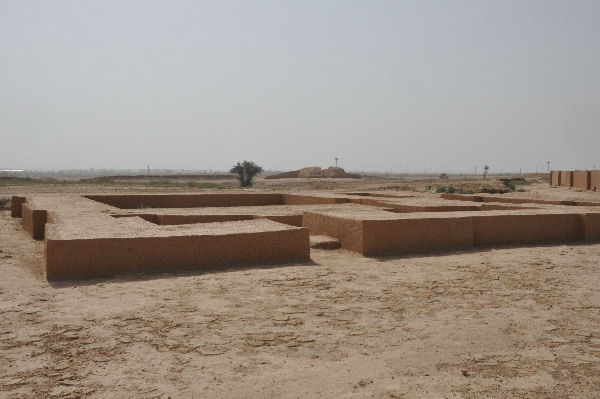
315,172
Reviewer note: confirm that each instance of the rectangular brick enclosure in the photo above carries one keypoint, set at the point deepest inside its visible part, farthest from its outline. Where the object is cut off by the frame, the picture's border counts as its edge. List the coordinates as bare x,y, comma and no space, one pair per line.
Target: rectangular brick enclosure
106,235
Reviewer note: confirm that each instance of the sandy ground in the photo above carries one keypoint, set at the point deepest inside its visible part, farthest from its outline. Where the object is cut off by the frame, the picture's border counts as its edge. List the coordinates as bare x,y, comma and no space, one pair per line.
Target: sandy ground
497,323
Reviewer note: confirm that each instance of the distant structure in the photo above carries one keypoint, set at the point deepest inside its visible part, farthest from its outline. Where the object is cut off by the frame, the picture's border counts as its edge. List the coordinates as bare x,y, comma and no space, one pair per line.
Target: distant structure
315,172
581,179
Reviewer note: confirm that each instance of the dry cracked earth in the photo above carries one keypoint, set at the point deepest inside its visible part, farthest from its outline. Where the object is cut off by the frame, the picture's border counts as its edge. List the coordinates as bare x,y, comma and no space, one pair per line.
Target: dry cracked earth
497,323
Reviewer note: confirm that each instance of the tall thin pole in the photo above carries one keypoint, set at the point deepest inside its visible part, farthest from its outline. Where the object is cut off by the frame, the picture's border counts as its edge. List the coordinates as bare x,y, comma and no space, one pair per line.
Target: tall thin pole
548,162
336,159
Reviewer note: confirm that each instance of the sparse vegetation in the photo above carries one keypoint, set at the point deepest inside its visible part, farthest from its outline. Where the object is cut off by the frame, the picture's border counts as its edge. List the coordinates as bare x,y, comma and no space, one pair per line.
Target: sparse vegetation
428,187
446,189
462,191
245,172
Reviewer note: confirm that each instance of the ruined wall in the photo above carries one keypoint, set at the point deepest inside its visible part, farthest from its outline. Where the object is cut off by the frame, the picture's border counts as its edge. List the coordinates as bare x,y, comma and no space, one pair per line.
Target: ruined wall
382,237
189,219
15,209
186,200
591,225
34,220
68,259
555,178
595,180
292,220
581,179
527,229
566,178
348,231
292,199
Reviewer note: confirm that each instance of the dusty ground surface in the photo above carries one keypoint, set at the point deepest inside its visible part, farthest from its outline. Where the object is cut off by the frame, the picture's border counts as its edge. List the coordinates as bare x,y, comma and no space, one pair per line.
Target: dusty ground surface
497,323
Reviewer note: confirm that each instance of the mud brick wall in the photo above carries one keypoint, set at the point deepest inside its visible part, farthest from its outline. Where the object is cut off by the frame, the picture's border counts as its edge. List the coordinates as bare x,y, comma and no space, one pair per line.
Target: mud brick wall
591,223
399,236
15,209
292,199
527,229
68,259
581,179
566,178
348,231
595,180
186,200
555,178
34,220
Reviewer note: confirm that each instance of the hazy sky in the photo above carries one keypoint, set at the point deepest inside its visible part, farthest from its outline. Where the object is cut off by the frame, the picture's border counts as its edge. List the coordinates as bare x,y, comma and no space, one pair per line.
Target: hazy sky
383,85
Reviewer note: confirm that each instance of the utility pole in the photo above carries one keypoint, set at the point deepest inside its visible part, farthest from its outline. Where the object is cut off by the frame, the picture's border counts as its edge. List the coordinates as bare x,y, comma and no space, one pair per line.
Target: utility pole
336,159
148,169
548,162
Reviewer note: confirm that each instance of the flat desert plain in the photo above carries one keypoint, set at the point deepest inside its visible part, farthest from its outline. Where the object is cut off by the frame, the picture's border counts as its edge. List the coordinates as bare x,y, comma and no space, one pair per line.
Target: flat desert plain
502,322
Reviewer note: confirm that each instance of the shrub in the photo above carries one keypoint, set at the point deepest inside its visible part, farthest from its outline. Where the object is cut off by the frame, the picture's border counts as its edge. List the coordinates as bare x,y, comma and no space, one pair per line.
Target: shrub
428,187
450,189
245,172
440,189
444,176
511,185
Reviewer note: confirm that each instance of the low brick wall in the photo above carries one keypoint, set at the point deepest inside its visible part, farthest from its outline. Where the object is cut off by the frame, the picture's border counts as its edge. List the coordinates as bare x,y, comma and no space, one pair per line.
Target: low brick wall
69,259
186,200
348,231
34,220
292,199
401,236
15,206
591,225
527,229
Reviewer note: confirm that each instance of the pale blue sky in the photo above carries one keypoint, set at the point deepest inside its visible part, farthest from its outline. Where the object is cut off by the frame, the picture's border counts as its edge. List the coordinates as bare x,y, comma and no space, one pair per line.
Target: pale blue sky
383,85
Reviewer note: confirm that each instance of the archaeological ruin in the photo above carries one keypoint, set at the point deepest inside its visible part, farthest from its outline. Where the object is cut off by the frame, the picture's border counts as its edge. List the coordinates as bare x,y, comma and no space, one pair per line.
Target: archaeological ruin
106,235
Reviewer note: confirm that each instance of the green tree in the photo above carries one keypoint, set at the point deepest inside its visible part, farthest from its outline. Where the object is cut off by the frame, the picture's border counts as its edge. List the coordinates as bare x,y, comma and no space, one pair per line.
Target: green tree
245,172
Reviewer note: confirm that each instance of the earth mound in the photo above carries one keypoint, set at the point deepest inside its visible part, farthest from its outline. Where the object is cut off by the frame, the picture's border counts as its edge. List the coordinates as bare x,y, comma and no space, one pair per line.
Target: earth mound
315,172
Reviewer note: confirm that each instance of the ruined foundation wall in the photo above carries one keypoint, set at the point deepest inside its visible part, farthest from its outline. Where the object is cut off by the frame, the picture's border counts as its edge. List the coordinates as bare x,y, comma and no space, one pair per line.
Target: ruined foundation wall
527,229
189,219
348,231
186,200
292,199
292,220
15,208
34,220
382,237
591,225
68,259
